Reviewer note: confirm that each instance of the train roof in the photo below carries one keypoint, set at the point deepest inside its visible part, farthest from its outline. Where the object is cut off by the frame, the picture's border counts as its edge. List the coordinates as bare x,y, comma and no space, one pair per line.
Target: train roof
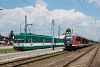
29,34
34,35
78,36
73,35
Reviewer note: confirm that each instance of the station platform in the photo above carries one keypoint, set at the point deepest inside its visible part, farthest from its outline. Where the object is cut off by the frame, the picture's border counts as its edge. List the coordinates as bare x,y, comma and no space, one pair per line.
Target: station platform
32,53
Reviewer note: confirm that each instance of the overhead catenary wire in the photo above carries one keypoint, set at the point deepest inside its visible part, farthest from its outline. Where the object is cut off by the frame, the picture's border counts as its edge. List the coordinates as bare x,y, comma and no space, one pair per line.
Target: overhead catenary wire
86,6
82,7
88,13
28,2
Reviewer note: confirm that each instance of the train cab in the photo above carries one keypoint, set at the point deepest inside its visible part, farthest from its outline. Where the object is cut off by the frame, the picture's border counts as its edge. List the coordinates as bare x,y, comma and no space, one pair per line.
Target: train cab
68,40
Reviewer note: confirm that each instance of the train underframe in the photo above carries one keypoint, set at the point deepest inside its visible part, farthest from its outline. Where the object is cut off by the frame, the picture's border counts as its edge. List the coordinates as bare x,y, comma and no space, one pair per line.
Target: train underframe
71,47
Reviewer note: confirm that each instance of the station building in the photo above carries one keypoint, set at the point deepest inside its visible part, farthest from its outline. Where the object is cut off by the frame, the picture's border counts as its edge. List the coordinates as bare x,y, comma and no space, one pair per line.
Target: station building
4,41
60,36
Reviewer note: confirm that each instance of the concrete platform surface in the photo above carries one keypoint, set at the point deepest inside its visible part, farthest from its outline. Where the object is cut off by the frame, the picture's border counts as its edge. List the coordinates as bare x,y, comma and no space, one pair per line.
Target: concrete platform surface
31,53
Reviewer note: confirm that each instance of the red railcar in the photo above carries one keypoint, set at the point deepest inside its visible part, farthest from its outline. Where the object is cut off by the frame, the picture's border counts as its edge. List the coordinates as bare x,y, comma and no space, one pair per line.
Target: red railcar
75,41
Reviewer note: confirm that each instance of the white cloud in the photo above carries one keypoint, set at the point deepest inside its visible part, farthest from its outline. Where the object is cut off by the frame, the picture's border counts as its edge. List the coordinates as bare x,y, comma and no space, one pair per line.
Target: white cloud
95,1
41,18
41,3
85,23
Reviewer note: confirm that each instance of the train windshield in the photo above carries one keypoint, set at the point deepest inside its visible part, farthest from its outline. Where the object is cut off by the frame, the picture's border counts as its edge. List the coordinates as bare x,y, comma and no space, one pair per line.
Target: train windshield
18,40
69,39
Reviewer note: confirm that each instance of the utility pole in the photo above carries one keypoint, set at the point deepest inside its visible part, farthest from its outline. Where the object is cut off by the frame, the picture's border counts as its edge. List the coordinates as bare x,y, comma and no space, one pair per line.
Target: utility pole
20,27
29,28
72,31
51,30
25,24
53,34
59,31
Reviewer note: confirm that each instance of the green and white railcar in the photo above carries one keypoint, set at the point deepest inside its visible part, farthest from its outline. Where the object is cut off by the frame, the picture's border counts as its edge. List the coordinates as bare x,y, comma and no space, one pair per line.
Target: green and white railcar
32,41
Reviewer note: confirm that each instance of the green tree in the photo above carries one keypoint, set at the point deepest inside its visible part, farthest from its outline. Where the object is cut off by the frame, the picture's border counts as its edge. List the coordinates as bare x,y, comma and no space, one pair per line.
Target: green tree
68,31
11,34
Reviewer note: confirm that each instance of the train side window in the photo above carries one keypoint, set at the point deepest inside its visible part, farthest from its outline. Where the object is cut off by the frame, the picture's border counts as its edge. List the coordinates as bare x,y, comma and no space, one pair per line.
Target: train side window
48,40
41,40
36,40
77,38
83,40
87,41
26,40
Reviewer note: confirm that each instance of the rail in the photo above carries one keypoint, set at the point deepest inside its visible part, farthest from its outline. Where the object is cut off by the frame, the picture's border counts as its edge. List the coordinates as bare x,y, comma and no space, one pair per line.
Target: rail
67,64
30,59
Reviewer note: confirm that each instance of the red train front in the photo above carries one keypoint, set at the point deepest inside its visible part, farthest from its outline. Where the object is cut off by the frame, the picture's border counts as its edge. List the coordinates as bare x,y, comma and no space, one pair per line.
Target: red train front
75,41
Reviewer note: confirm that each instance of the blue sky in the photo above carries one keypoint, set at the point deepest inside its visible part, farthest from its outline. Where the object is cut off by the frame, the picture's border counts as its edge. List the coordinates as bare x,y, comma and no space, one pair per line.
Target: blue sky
79,15
93,9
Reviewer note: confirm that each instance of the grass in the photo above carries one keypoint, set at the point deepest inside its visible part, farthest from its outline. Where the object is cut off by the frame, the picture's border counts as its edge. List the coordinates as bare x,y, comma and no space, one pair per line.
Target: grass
11,50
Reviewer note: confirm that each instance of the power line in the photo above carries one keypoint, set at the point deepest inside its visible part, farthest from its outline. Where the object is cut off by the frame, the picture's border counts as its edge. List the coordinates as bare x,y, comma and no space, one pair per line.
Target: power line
86,13
27,2
85,6
82,7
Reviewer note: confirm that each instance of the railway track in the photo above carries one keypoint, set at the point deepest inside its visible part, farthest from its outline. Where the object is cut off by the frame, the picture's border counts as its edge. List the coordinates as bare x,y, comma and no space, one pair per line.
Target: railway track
23,61
93,56
85,63
58,59
96,60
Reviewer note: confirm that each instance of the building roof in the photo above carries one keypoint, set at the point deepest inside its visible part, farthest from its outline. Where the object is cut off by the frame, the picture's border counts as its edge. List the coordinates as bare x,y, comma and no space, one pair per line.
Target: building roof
2,41
2,37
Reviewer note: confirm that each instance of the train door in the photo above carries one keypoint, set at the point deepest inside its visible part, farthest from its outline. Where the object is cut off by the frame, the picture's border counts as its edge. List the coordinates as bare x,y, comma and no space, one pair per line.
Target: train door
68,40
43,41
31,43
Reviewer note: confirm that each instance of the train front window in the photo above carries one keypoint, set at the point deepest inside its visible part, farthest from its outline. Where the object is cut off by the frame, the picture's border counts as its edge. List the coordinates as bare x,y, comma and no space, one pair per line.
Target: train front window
19,40
69,39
